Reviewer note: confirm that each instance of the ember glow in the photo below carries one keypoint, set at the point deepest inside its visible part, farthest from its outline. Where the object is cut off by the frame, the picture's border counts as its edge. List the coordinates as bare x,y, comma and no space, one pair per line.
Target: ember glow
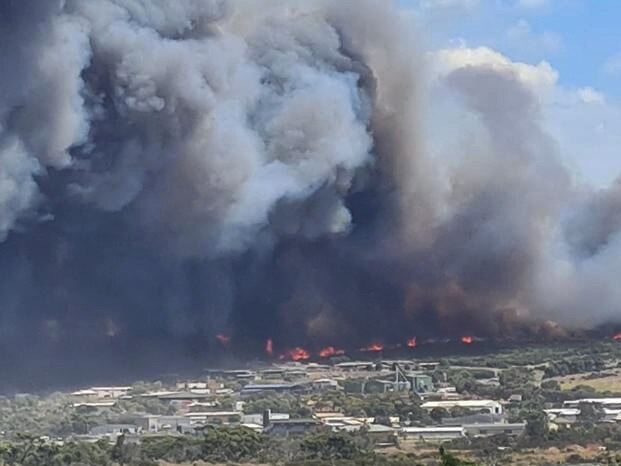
269,346
617,337
374,347
411,342
223,339
467,340
298,354
330,351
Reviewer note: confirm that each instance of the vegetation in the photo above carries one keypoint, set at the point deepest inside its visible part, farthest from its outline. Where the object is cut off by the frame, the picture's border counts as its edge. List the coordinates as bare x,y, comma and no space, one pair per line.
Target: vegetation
217,445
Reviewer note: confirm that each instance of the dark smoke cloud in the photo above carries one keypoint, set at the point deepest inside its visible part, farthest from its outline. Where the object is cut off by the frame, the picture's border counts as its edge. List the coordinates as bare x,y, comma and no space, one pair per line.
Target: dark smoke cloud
174,170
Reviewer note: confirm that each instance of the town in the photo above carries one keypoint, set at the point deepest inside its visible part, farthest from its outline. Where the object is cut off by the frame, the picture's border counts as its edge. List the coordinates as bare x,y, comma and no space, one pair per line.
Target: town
553,402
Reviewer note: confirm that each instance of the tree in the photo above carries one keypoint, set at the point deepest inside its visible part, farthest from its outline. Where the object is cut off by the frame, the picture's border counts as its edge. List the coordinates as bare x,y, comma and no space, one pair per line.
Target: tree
536,424
332,446
437,414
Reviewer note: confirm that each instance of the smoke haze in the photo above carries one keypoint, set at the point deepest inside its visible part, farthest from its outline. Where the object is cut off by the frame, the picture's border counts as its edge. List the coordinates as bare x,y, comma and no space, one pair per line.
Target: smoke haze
307,172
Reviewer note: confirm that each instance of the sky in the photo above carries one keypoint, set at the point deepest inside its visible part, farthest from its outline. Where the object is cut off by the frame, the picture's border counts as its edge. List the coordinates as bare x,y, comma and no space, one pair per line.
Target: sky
579,39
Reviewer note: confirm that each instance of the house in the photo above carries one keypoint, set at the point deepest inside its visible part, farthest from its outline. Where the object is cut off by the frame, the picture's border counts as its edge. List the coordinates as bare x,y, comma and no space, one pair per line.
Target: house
611,403
323,385
487,430
102,393
260,419
355,366
215,417
479,418
293,427
562,416
490,406
238,374
252,389
155,423
430,434
381,435
420,383
94,405
113,430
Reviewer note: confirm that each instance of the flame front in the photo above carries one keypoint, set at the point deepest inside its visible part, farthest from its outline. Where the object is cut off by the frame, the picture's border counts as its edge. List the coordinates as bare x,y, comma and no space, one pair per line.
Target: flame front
467,340
617,337
298,354
330,351
411,343
374,347
223,339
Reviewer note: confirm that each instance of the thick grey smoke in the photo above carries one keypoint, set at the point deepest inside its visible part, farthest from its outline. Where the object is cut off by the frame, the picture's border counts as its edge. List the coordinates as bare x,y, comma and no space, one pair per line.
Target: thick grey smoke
173,170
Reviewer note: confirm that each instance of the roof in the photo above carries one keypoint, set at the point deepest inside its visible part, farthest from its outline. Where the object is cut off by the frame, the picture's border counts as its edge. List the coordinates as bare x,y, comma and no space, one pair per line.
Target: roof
182,396
379,428
514,425
111,389
563,411
214,414
603,401
273,386
429,430
308,421
95,404
459,403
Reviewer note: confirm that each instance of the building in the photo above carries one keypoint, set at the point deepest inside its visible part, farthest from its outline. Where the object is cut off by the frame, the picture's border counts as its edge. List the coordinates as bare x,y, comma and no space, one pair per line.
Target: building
381,435
487,430
215,417
430,434
102,393
252,389
259,419
94,405
562,416
420,383
113,430
479,418
489,406
610,403
293,427
355,366
154,423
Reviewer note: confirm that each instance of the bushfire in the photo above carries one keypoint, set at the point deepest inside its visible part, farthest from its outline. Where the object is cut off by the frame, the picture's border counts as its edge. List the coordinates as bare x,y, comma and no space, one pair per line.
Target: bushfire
411,343
467,340
223,339
298,354
330,351
374,347
617,336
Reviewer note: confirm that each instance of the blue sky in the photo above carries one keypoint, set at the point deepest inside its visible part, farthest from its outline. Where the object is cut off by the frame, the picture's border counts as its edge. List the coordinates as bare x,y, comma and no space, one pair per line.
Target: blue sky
580,39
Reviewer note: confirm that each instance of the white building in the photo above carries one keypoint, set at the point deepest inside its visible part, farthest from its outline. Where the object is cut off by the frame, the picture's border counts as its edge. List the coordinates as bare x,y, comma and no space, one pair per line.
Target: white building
431,434
489,406
610,403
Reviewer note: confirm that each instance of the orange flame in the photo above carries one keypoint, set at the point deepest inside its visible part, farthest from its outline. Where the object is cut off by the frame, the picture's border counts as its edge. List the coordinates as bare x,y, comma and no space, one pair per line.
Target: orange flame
223,339
298,354
617,337
467,340
269,346
374,347
412,342
330,351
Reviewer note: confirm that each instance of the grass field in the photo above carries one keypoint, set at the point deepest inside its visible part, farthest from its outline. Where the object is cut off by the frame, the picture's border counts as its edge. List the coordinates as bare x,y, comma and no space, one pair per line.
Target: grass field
602,384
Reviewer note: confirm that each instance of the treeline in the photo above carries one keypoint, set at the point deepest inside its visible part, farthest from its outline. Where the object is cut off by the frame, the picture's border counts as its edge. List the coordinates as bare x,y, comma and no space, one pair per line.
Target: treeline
215,445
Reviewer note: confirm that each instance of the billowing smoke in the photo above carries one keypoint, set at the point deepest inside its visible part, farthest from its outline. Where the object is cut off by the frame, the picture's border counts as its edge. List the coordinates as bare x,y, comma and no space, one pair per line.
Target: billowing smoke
170,171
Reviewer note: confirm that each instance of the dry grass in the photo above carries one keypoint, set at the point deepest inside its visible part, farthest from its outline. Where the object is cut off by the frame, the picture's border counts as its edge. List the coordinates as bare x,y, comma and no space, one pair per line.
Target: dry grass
610,383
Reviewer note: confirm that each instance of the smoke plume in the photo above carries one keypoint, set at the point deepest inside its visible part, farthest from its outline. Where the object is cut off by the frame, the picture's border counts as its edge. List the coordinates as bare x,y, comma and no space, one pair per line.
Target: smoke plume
171,171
